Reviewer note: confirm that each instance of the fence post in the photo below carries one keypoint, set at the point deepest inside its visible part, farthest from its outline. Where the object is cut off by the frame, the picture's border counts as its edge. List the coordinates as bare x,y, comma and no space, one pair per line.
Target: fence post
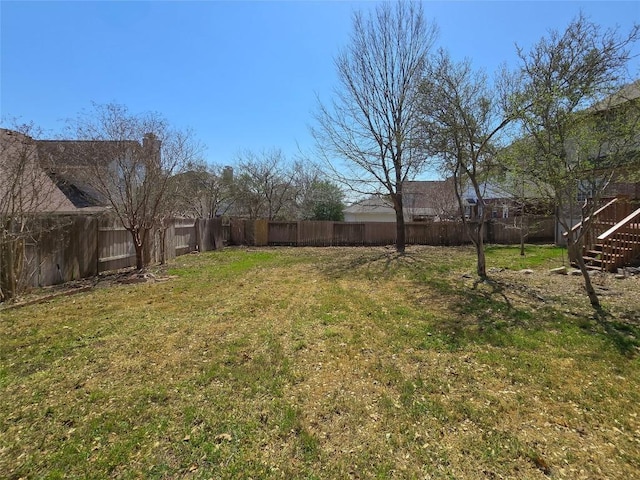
198,226
98,221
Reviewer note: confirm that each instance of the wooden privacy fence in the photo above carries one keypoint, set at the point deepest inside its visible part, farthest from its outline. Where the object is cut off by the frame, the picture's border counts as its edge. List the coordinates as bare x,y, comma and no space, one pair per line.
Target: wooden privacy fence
325,234
75,246
71,247
179,236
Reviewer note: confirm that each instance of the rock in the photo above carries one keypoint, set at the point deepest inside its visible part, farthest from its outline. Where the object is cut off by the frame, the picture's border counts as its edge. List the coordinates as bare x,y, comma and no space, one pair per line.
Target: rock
575,272
526,271
559,270
620,276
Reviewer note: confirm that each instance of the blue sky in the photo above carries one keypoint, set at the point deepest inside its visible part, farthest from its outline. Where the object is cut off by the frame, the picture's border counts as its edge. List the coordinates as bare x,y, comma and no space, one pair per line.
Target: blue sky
242,75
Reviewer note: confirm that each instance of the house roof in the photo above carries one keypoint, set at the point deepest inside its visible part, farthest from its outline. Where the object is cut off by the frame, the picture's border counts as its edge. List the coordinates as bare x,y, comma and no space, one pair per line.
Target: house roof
37,192
72,163
491,190
627,93
428,194
71,154
373,204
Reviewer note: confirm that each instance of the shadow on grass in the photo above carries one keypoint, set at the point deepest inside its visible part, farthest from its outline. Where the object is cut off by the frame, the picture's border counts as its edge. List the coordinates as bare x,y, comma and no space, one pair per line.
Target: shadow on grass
371,262
491,311
485,313
623,333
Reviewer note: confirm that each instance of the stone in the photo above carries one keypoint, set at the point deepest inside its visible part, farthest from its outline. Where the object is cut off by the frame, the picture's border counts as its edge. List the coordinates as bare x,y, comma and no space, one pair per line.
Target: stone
559,270
526,271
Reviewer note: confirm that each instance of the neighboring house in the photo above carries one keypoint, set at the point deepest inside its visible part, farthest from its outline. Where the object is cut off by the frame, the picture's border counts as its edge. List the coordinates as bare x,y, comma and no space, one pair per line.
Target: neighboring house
69,175
60,175
626,105
428,201
436,201
613,240
423,201
372,209
75,164
497,203
26,187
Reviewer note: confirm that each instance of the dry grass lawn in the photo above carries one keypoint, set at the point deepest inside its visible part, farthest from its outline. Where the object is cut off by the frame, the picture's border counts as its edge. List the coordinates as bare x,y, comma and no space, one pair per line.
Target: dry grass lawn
327,363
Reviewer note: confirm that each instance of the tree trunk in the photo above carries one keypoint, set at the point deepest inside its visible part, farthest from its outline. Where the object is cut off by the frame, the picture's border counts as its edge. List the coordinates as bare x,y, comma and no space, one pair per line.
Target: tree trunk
5,271
163,245
400,233
11,264
138,244
139,257
479,244
575,251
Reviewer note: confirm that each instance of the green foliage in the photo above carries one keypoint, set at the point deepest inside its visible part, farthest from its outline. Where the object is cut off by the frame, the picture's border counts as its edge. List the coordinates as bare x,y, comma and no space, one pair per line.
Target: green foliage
328,211
325,202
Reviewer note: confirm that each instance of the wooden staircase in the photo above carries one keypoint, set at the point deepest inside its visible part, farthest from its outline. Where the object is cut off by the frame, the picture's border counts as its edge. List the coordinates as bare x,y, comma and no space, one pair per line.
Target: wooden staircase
614,237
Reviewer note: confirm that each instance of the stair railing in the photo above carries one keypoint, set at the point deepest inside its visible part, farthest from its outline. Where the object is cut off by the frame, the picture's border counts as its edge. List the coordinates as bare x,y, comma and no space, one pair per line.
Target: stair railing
621,243
602,219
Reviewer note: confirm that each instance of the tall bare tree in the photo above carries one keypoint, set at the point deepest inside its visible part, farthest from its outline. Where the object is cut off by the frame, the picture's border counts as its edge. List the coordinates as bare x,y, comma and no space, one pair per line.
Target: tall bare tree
463,118
127,160
574,135
371,124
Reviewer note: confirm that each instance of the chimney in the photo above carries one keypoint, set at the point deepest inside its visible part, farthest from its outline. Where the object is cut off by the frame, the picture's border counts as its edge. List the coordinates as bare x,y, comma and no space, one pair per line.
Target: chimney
227,175
151,145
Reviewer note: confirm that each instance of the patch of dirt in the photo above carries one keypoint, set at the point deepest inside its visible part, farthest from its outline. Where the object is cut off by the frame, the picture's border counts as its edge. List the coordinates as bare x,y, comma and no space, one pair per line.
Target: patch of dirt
616,291
125,276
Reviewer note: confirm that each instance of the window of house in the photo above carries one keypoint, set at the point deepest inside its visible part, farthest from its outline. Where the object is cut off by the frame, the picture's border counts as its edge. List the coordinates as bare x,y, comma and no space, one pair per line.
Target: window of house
589,188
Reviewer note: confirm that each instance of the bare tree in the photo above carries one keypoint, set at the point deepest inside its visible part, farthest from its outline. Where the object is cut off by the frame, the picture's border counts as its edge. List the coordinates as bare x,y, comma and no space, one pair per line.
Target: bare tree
577,128
25,192
265,184
203,190
462,119
371,125
444,200
127,160
514,185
